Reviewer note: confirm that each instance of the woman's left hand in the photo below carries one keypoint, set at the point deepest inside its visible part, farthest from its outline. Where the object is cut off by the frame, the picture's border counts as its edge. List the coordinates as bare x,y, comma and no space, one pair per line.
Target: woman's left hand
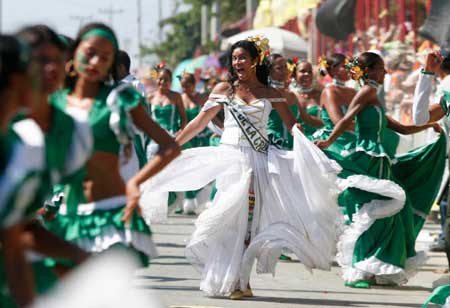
299,126
133,195
322,144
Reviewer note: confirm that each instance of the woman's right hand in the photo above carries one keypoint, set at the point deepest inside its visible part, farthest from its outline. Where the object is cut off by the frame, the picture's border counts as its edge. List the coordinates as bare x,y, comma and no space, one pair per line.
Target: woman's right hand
432,62
322,144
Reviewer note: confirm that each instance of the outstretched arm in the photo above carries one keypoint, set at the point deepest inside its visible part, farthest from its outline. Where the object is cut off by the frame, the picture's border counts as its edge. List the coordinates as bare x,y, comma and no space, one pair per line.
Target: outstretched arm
197,125
422,113
410,129
357,104
168,151
286,115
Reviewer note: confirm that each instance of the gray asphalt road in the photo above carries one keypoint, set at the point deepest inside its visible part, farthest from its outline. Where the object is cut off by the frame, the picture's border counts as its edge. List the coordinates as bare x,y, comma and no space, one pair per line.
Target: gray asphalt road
175,282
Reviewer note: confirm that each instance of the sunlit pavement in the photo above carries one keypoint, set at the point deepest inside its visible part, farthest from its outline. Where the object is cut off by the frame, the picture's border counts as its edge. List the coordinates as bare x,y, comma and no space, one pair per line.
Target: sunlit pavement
176,283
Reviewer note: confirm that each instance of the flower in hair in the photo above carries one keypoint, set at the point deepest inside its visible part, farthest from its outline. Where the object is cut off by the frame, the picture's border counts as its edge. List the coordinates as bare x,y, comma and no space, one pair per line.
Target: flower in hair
154,74
323,65
161,65
292,64
262,45
353,68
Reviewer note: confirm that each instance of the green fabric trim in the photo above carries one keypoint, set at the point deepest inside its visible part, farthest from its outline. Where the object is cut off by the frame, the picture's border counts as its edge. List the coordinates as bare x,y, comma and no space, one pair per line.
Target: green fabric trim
445,102
439,296
58,139
90,226
423,72
110,36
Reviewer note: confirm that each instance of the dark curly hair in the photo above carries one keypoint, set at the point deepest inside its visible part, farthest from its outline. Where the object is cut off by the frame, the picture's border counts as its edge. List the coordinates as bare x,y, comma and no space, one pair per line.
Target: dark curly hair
368,60
333,61
165,70
271,60
14,58
38,35
70,82
262,70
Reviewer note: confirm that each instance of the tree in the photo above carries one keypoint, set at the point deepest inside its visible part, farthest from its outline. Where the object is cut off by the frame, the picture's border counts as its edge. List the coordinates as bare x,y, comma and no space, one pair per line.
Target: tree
184,36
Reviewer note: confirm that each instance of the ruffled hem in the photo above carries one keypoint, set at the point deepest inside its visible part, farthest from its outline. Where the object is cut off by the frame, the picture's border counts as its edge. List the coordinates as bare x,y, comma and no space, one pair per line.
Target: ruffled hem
111,236
362,221
370,148
102,229
93,225
385,273
268,245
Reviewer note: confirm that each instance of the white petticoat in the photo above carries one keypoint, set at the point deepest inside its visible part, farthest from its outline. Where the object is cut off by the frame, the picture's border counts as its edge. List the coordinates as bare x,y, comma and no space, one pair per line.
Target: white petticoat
295,209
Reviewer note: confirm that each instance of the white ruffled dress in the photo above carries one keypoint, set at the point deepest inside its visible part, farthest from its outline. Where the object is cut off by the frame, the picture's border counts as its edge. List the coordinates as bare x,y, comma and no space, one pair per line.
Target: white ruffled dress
295,202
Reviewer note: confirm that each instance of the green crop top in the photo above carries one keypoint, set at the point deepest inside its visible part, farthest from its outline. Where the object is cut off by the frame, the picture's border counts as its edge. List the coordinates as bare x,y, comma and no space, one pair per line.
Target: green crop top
109,116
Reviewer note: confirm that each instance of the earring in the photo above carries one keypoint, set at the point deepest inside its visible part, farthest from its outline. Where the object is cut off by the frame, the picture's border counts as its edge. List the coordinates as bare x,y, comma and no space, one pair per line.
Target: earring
69,68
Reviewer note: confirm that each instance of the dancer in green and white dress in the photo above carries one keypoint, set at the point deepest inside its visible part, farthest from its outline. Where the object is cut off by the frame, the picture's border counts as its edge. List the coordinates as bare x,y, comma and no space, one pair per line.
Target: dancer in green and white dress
387,198
193,102
334,101
47,147
435,66
278,133
15,172
308,97
167,110
92,216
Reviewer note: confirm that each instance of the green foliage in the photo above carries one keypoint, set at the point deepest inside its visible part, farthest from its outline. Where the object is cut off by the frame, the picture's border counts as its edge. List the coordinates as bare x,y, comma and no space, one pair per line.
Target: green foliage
184,35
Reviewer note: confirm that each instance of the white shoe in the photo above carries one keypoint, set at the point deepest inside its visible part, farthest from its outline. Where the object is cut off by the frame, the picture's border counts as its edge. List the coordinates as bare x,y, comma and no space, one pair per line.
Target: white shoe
189,206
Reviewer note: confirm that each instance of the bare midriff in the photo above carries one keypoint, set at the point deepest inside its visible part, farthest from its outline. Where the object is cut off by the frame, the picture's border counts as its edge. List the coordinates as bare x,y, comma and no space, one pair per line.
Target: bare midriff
103,179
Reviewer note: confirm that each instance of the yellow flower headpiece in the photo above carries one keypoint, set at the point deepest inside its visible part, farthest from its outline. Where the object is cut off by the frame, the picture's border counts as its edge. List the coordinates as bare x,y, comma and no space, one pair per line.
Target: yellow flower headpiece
323,66
355,71
262,44
292,64
154,74
155,71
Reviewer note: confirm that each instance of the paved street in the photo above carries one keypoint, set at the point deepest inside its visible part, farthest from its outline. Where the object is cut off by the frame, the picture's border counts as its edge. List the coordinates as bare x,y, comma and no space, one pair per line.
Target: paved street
176,283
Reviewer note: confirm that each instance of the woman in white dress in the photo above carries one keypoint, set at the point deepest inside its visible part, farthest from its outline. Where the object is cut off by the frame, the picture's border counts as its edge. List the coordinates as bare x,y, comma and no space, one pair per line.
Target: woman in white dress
268,200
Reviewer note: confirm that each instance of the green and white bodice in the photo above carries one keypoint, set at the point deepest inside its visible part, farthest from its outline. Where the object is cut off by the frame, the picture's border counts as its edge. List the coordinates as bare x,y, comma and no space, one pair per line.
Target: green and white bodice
110,122
35,161
167,116
328,126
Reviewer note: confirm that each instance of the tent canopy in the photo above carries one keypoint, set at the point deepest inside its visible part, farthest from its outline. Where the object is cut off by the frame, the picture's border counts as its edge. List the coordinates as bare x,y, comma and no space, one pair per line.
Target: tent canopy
281,41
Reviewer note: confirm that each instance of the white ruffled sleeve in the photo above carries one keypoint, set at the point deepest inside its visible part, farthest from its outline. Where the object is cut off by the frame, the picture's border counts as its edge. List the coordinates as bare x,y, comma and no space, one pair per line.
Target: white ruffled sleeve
213,101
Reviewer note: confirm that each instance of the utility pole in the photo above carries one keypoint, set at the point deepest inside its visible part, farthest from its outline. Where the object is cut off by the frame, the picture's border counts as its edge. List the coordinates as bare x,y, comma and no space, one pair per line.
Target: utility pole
111,12
204,24
250,10
1,15
160,34
215,20
139,30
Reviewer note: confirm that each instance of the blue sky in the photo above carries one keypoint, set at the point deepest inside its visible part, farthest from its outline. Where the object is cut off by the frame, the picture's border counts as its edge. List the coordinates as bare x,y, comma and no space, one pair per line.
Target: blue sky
60,15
